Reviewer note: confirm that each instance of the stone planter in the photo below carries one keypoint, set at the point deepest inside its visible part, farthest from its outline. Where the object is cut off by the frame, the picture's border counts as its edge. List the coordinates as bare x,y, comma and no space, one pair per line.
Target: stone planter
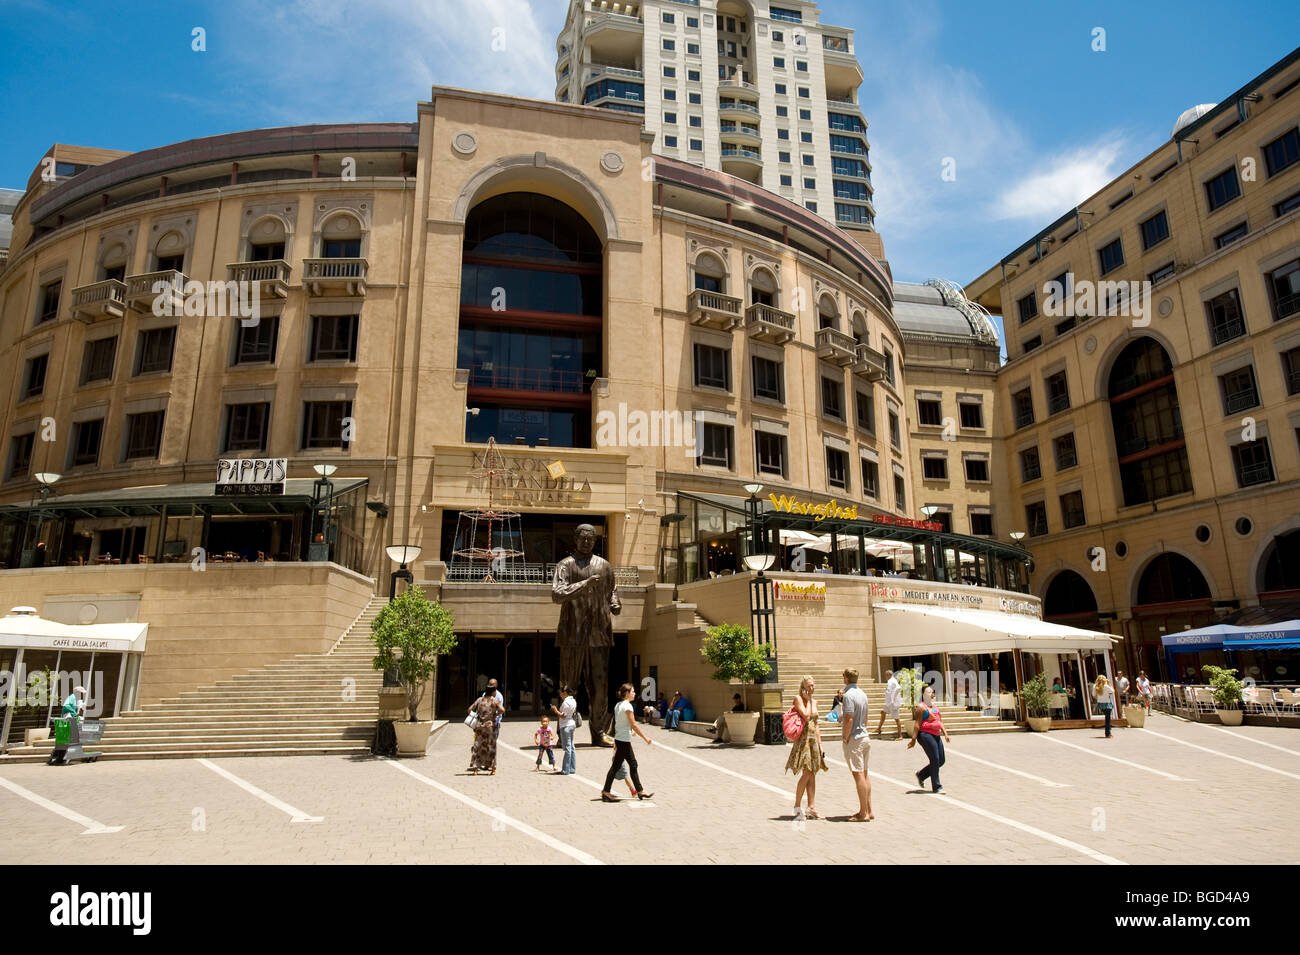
1040,724
392,703
1135,715
35,735
412,738
1231,717
741,728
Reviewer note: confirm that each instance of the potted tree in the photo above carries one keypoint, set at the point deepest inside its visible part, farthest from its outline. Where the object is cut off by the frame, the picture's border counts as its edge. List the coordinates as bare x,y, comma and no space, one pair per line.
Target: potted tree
410,633
730,650
1227,694
911,686
1037,697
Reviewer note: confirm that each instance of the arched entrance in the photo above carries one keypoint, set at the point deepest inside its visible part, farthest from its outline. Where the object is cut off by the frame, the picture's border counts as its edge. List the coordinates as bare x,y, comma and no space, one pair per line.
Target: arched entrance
1172,595
531,294
1148,424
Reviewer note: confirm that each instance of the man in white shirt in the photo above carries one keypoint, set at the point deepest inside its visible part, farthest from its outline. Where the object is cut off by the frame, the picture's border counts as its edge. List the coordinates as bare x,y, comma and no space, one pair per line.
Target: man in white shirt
893,705
1122,683
857,747
565,727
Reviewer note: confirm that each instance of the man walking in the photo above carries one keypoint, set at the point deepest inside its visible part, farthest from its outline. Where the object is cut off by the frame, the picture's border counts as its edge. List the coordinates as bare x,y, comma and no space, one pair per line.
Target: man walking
856,745
893,706
1123,684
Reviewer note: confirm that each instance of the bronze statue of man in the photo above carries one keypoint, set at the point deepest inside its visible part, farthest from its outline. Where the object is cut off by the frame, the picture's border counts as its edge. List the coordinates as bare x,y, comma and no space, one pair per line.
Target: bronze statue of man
584,587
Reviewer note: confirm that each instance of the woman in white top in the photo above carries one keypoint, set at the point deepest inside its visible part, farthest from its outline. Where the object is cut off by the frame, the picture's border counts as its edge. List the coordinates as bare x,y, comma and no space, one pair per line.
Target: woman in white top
624,726
566,726
1104,694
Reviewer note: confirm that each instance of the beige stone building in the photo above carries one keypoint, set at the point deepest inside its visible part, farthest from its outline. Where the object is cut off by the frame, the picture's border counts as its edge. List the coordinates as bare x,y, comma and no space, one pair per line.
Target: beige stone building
642,352
1150,445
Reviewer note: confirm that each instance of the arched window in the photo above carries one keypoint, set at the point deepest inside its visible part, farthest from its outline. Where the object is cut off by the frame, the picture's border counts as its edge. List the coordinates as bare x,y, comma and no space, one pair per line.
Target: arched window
340,237
1169,578
266,240
859,323
1281,563
1148,424
828,313
1068,595
531,297
710,276
169,253
112,264
763,289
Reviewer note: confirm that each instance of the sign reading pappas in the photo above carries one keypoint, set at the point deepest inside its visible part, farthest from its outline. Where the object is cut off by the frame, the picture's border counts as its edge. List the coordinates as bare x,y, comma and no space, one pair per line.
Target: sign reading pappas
251,476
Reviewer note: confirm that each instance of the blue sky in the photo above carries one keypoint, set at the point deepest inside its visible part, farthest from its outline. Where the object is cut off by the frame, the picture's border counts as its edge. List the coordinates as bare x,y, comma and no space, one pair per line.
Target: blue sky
1013,92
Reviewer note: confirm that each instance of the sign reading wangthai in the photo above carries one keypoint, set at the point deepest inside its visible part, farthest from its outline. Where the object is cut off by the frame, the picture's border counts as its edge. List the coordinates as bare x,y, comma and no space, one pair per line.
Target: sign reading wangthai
789,590
251,476
818,512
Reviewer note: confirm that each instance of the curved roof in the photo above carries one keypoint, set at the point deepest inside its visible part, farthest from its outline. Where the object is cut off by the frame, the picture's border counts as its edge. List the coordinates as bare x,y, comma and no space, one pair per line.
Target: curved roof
939,310
1189,116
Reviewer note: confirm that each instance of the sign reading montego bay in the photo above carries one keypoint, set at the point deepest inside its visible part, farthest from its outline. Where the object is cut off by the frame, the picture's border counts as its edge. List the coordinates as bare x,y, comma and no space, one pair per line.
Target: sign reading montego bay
251,476
528,480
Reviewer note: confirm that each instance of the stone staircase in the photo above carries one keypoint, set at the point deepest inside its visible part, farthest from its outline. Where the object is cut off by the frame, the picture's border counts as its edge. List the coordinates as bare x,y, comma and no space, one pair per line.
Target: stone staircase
300,706
827,680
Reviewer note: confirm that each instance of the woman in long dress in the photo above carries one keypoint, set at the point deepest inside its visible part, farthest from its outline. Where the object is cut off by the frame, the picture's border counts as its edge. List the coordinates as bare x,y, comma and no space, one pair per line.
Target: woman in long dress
484,753
806,755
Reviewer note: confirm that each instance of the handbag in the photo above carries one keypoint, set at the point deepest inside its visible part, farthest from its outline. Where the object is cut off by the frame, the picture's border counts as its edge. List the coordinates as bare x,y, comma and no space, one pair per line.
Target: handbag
577,718
472,721
792,724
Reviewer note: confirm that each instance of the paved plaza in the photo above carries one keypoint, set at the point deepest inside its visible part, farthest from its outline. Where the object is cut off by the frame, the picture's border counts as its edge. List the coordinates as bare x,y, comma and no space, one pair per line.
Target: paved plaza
1064,797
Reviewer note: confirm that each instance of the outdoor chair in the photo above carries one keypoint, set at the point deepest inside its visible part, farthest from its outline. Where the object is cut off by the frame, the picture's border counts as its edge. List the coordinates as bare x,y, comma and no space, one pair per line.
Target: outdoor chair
1007,703
1061,704
1204,698
1262,697
1184,703
1290,701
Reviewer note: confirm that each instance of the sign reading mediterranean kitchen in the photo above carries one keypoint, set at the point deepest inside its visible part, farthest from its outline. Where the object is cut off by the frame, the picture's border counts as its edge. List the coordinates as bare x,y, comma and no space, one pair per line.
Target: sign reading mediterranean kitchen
251,476
902,592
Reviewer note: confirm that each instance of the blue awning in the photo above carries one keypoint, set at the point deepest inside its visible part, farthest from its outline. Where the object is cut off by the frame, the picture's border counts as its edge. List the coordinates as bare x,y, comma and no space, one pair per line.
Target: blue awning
1223,636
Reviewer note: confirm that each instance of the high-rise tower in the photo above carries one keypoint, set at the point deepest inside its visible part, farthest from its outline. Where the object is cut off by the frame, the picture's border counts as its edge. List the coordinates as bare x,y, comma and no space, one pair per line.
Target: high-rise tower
766,93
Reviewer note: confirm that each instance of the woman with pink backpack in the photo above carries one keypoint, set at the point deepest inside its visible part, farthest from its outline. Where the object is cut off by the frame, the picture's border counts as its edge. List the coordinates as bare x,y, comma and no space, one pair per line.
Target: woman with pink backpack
800,727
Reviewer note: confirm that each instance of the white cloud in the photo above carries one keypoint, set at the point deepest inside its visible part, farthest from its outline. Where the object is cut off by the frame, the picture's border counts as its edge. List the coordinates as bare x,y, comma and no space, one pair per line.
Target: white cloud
332,60
1060,182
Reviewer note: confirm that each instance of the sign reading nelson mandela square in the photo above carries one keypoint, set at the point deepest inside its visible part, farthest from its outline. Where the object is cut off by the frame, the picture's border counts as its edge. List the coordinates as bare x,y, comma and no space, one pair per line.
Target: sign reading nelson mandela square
528,480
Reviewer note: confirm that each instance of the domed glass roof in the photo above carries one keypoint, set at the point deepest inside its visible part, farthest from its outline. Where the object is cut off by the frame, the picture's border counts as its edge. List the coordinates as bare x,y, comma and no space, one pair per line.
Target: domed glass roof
1189,116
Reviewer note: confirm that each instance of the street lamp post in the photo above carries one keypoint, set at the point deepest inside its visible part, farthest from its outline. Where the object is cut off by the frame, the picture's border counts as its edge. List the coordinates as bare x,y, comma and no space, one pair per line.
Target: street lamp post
762,612
47,480
322,490
401,554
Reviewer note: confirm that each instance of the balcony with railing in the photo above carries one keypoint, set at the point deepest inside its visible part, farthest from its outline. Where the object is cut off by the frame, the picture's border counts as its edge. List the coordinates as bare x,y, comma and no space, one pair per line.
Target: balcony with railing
870,364
166,288
1260,472
1241,400
272,276
597,70
1227,330
105,299
734,133
510,378
836,347
742,156
735,107
738,87
334,276
1293,382
713,309
1287,305
1057,404
767,324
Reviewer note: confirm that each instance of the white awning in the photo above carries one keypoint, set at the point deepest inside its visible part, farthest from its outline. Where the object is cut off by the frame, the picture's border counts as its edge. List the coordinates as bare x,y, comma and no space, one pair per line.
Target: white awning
26,630
904,629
